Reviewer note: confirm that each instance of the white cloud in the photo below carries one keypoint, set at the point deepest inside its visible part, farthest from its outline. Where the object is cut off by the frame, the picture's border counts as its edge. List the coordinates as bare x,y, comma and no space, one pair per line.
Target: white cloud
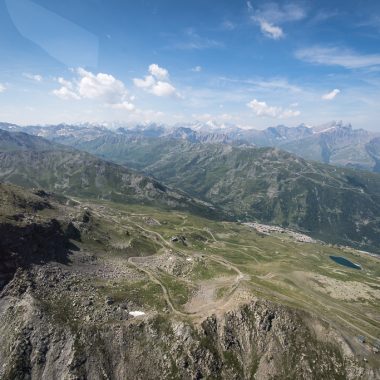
65,83
35,77
65,93
147,82
197,69
279,14
334,56
271,16
158,72
101,87
331,95
162,89
157,83
2,88
264,110
271,31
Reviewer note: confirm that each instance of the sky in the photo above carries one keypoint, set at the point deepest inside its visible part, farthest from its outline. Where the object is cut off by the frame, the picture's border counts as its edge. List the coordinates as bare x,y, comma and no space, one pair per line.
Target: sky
250,63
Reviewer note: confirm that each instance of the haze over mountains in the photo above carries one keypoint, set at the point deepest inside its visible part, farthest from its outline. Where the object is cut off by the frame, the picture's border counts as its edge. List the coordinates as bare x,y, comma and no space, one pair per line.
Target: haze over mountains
335,143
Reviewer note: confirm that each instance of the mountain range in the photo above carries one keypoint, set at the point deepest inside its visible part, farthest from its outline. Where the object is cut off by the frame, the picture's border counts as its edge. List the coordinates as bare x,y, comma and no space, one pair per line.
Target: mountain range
339,205
334,143
35,162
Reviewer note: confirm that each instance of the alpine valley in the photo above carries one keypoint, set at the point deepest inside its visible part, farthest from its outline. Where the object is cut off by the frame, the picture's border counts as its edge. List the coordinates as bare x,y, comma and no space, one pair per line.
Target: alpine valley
208,251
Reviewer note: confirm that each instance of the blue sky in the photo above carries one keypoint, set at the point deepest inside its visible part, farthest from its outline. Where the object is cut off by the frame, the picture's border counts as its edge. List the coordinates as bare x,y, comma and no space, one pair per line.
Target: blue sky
251,63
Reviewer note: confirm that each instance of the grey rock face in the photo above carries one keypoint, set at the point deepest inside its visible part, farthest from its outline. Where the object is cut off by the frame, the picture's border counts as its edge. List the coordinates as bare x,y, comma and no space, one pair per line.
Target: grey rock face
260,340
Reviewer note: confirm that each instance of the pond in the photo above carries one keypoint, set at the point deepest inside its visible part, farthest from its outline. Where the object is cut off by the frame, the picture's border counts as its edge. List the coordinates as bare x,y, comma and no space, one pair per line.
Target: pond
345,262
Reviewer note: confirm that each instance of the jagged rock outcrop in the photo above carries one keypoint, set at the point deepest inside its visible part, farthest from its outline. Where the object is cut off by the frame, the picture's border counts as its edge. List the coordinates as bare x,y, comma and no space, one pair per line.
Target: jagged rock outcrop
259,340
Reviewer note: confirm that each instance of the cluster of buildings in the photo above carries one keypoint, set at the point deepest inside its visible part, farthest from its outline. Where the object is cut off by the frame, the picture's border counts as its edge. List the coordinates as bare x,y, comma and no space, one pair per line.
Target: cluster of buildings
268,229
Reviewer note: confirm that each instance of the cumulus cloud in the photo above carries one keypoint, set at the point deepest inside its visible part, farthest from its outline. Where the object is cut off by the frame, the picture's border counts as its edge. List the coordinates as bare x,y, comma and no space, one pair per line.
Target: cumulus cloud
102,87
331,95
35,77
147,82
162,89
2,88
264,110
156,82
65,83
65,93
158,72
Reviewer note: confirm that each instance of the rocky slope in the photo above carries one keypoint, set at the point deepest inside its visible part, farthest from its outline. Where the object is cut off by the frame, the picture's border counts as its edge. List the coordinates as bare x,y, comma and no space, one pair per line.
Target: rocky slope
260,340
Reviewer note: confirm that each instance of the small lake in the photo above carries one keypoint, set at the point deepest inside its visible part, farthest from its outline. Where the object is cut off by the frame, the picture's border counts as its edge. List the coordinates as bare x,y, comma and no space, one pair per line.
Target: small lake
345,262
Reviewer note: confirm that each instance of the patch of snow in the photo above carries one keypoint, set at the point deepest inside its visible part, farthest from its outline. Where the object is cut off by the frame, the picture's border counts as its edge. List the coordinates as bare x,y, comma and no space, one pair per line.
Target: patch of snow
189,259
327,129
136,313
